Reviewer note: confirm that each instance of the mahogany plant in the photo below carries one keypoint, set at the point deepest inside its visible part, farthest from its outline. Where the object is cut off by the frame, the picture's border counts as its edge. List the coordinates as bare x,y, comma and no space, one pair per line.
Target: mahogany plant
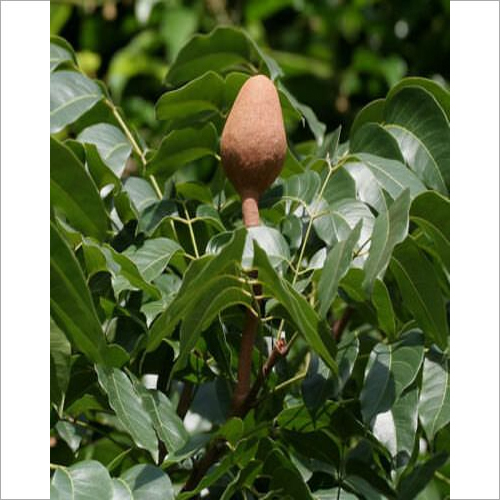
235,314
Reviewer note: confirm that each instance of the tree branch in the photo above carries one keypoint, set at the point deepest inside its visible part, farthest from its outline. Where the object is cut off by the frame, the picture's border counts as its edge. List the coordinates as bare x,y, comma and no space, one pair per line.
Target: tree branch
340,324
185,399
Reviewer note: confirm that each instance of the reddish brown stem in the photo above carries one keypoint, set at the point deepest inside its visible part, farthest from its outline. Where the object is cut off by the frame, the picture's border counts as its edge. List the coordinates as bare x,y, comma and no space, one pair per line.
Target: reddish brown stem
185,399
213,453
245,361
280,350
340,324
217,448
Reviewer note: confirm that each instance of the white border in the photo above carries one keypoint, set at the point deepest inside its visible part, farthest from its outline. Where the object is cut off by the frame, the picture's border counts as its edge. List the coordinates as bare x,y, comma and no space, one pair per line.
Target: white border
475,249
25,177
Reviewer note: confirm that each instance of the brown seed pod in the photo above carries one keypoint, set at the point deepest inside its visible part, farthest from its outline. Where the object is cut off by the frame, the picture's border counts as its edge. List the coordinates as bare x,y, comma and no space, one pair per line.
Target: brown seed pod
253,143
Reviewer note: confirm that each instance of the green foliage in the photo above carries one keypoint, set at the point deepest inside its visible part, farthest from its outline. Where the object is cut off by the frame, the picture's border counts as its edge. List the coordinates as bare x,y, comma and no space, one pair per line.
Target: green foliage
153,275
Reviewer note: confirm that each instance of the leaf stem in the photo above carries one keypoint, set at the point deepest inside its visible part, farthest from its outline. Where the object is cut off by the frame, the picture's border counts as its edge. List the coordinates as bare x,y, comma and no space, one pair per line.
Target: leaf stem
331,171
135,146
191,232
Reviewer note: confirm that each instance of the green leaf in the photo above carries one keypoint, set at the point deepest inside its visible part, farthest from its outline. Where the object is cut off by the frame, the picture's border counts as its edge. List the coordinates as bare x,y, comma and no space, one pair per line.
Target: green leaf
140,192
434,403
129,408
383,305
196,284
180,147
222,49
125,274
420,291
390,370
288,482
439,93
336,266
70,433
71,304
223,291
305,318
210,215
74,194
335,222
112,145
396,428
372,138
143,482
390,228
153,256
372,112
422,130
166,422
431,212
83,481
413,483
271,241
71,95
201,98
374,175
60,52
60,358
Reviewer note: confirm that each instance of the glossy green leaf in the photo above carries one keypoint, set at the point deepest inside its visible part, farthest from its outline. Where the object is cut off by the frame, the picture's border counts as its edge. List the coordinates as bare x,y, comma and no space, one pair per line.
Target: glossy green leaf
374,175
180,147
305,318
70,433
153,256
143,482
60,52
422,130
271,241
336,266
372,138
210,214
383,305
124,271
223,49
140,192
196,283
224,291
71,95
439,93
412,484
390,228
82,481
112,145
129,408
434,403
73,192
335,222
396,428
390,370
166,422
431,212
372,112
201,98
420,291
60,357
71,305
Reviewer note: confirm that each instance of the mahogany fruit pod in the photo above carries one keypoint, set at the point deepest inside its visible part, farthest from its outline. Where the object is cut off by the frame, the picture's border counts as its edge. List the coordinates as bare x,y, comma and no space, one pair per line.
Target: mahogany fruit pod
253,143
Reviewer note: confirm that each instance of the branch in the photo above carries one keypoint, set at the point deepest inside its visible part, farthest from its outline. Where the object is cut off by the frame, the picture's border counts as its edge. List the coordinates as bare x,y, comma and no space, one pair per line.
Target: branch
217,448
340,324
245,362
185,399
